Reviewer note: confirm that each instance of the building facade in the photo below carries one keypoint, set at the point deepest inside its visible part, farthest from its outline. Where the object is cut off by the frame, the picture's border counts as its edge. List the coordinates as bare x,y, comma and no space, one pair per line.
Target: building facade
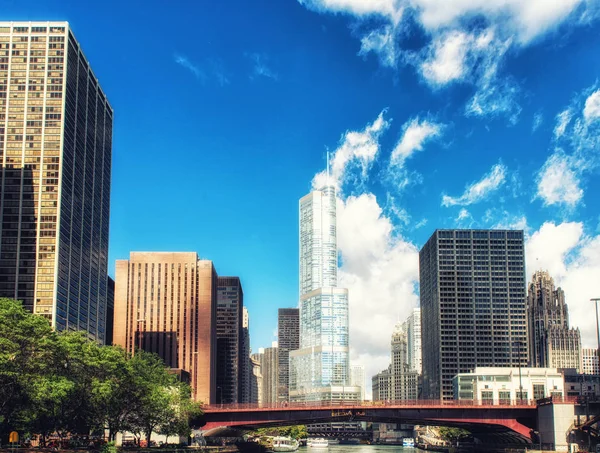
319,369
473,305
230,302
399,382
492,385
166,303
55,149
110,311
256,381
357,379
268,358
551,342
246,363
288,339
412,327
590,361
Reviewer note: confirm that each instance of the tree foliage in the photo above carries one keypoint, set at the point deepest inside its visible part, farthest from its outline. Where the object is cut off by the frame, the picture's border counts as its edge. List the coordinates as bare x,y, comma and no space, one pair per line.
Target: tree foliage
452,434
62,382
295,431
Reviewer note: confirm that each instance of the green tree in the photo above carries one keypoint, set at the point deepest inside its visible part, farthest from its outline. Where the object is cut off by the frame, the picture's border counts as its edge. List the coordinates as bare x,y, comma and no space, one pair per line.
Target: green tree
25,344
452,434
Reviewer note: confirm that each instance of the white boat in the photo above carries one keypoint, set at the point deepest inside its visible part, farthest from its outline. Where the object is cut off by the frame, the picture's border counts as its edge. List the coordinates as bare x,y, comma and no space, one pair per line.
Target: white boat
284,444
408,442
317,443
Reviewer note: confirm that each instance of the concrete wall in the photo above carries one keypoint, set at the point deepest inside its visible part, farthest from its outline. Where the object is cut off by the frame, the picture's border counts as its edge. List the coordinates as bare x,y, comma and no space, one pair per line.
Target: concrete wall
554,423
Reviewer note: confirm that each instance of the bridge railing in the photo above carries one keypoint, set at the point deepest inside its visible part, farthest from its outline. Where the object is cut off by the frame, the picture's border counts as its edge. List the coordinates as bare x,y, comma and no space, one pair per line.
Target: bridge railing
421,403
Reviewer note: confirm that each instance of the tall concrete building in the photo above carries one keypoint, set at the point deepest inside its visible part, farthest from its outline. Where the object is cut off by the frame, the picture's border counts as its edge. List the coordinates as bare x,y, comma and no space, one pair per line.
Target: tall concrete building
319,369
412,328
473,304
230,301
166,303
110,311
288,339
399,382
256,381
590,363
552,344
246,373
55,150
357,379
268,360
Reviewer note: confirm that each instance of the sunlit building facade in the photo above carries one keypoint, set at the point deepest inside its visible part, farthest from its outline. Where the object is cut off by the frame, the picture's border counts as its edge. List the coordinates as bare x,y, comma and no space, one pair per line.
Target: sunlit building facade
55,153
590,361
319,370
412,328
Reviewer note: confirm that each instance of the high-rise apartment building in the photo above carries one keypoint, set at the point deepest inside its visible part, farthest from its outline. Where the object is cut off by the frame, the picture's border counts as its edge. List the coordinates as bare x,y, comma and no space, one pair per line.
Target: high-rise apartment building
412,328
268,360
55,149
319,369
288,339
473,304
590,361
357,379
399,382
230,301
166,303
552,344
246,374
256,381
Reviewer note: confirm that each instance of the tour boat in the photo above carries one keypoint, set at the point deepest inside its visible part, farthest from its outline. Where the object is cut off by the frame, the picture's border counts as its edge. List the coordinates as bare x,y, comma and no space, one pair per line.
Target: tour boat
408,442
284,444
318,443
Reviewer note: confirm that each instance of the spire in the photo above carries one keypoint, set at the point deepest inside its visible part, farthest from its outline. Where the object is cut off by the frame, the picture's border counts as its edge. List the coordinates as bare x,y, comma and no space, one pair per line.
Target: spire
328,167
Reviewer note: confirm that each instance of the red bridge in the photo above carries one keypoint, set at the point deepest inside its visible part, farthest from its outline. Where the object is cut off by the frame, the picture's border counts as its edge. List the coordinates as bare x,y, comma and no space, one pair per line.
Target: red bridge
513,422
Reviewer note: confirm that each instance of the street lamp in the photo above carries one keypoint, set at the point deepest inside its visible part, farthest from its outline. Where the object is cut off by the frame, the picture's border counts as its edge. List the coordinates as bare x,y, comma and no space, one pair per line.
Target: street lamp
520,377
139,321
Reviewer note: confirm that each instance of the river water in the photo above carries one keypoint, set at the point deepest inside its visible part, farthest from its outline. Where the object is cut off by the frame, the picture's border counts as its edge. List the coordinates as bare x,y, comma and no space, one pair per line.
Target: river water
361,449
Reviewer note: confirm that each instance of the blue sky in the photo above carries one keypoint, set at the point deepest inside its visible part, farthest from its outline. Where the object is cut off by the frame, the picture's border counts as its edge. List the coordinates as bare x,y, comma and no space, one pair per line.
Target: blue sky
437,113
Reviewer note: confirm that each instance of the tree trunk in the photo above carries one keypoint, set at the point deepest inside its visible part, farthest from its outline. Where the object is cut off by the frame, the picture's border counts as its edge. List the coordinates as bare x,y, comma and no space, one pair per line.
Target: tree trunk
148,436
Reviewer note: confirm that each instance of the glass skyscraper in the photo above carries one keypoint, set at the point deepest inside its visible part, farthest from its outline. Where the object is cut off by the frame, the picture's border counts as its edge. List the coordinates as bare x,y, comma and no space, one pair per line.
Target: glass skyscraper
319,370
55,154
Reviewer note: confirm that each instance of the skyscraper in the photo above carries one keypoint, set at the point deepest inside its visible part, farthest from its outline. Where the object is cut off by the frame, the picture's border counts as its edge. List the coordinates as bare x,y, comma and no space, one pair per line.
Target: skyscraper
268,360
473,299
552,344
230,301
288,339
319,370
55,149
399,382
412,327
590,361
166,303
247,369
357,379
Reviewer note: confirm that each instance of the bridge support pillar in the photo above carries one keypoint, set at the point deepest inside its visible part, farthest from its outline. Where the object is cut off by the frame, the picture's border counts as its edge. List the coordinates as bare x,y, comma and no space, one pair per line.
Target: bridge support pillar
554,422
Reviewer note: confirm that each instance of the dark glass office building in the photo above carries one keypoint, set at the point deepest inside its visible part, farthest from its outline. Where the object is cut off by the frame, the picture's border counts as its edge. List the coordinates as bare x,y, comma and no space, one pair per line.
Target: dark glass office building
288,339
473,304
55,150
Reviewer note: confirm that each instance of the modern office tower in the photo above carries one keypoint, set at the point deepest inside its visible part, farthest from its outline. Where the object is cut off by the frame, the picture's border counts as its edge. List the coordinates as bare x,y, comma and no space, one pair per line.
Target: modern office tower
55,150
357,379
319,370
399,382
473,304
288,339
552,344
256,381
166,303
230,301
268,359
590,361
412,327
110,311
246,363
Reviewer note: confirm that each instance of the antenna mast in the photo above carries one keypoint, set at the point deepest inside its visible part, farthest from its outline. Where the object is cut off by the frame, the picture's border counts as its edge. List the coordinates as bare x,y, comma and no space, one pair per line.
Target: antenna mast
327,167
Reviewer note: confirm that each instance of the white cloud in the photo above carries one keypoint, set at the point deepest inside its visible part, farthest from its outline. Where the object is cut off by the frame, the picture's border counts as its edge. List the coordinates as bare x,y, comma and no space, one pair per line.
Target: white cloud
562,121
356,149
192,67
573,260
591,112
538,119
558,182
479,190
454,51
260,67
380,270
415,134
